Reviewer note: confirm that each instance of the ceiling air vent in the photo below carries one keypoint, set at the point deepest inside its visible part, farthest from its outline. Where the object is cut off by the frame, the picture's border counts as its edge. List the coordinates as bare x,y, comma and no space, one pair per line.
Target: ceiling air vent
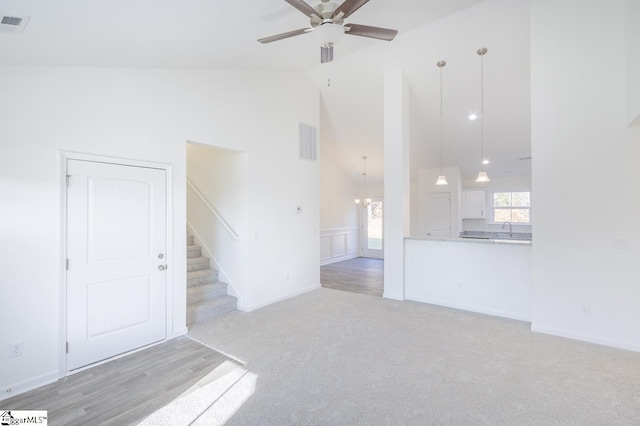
308,145
11,24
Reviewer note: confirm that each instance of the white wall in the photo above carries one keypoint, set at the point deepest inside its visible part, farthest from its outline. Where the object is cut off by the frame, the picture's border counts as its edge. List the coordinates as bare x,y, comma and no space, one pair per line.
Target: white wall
338,189
582,287
339,216
147,115
632,29
397,182
219,179
499,184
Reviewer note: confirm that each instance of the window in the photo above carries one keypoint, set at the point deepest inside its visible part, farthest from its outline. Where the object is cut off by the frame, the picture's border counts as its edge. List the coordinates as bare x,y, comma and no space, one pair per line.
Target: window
514,207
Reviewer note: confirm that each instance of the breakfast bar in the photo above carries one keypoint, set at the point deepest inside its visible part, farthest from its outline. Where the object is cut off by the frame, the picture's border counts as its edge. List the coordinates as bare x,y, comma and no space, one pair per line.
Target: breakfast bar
490,276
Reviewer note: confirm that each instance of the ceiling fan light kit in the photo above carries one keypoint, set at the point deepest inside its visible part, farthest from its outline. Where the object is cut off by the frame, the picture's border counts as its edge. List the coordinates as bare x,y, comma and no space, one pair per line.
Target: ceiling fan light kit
327,35
327,25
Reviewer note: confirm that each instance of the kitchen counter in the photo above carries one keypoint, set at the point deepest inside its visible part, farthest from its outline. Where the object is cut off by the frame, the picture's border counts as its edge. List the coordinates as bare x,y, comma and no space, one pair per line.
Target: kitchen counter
475,240
490,276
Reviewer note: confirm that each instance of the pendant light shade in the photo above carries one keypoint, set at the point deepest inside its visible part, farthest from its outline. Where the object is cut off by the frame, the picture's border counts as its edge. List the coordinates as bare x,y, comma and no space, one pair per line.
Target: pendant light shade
482,175
442,180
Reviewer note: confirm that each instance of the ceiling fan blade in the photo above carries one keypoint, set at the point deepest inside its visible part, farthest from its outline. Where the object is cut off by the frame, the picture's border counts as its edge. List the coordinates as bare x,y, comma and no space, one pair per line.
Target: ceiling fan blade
326,54
372,32
348,7
284,35
304,7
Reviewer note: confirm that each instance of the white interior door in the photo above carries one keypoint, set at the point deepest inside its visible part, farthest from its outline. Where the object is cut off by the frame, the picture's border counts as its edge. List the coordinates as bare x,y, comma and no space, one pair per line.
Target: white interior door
438,208
116,244
372,241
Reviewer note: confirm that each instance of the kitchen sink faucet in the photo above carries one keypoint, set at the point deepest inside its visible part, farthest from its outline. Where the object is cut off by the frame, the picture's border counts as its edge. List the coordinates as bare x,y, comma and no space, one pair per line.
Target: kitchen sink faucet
510,228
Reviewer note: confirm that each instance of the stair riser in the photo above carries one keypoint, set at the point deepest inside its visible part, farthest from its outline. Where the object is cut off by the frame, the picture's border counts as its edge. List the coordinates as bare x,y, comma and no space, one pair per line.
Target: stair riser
205,313
195,281
194,251
206,297
198,266
205,292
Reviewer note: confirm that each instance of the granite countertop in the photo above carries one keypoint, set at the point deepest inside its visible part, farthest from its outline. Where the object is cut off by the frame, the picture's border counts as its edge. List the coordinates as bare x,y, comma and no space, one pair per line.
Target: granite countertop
514,241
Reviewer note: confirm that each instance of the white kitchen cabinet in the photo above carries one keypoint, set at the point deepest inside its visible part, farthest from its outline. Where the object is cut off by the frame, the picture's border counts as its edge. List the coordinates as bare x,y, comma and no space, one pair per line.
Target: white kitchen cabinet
474,204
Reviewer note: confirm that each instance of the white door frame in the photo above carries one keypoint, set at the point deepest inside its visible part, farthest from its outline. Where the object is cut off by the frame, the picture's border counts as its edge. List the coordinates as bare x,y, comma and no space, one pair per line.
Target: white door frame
64,157
365,251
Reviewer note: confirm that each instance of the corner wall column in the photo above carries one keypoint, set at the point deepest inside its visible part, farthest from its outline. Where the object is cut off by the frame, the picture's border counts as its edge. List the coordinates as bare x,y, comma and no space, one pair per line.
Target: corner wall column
396,181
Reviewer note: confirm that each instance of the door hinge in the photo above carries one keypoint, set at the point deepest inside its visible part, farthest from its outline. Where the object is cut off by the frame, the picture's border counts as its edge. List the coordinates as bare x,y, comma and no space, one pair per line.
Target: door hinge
67,347
67,179
67,264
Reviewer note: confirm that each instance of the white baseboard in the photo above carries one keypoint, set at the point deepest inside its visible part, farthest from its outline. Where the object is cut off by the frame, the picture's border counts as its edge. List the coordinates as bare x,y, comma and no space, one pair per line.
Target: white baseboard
479,310
179,332
278,299
391,296
27,385
585,338
331,260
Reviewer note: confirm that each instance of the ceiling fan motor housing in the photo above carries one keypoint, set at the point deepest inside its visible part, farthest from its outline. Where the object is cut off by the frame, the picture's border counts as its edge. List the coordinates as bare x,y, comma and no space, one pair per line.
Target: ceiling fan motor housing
326,10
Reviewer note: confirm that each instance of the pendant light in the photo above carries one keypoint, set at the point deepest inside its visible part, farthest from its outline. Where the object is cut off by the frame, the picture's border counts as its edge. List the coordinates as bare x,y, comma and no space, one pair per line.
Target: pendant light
442,180
366,202
482,176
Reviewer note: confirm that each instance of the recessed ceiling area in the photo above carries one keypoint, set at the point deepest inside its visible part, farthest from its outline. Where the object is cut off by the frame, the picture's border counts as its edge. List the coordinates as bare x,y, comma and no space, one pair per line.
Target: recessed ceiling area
209,34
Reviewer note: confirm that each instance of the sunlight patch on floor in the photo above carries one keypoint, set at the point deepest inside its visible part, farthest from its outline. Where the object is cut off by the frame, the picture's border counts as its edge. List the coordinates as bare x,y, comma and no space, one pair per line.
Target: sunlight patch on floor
211,401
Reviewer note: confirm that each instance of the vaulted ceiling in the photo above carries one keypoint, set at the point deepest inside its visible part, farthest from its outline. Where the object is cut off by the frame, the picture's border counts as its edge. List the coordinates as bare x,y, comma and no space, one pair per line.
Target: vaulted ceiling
222,35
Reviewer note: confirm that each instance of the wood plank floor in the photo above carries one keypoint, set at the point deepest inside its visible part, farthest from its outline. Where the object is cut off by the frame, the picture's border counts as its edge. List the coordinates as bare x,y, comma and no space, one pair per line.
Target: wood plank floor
360,275
125,390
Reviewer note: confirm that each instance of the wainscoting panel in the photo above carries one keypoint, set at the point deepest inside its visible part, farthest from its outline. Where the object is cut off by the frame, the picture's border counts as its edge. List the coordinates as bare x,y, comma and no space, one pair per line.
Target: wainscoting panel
338,244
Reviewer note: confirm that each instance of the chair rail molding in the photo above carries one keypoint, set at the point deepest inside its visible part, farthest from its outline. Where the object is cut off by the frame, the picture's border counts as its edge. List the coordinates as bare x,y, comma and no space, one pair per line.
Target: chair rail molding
337,244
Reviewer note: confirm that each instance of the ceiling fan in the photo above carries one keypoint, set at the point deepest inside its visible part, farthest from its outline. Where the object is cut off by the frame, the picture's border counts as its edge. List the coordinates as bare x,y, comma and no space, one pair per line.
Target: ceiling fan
327,25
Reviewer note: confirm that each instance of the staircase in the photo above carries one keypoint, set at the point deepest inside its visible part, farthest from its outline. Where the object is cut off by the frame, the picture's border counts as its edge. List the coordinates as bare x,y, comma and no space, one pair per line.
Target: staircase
206,296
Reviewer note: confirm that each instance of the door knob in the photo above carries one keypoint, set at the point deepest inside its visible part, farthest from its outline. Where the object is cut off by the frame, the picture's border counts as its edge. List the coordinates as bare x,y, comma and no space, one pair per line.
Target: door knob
160,256
161,267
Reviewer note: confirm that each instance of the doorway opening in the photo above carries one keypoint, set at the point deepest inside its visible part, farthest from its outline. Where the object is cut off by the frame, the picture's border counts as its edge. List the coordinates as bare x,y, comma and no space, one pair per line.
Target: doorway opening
372,230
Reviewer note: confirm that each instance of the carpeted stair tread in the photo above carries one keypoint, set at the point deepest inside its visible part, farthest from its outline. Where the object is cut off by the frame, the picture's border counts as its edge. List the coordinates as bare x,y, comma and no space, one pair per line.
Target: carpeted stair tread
197,263
206,291
194,251
208,309
201,276
207,297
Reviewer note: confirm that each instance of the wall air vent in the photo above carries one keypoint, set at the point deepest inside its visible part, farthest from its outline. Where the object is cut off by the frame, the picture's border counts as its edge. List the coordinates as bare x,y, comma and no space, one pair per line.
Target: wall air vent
11,24
308,144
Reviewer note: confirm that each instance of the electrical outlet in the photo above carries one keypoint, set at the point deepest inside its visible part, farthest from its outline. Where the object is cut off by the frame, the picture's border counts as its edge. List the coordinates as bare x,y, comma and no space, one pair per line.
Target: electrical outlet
619,243
15,349
286,276
586,309
459,285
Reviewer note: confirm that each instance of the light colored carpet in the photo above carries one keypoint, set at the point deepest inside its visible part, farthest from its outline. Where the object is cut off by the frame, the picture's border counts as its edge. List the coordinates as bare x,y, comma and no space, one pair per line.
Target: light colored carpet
333,357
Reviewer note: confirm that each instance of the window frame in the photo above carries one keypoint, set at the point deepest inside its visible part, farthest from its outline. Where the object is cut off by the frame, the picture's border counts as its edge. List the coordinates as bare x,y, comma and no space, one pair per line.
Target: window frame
511,207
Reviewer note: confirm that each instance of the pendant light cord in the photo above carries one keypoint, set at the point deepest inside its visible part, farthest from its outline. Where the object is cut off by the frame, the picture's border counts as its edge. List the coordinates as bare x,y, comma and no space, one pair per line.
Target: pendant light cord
441,120
482,107
364,182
